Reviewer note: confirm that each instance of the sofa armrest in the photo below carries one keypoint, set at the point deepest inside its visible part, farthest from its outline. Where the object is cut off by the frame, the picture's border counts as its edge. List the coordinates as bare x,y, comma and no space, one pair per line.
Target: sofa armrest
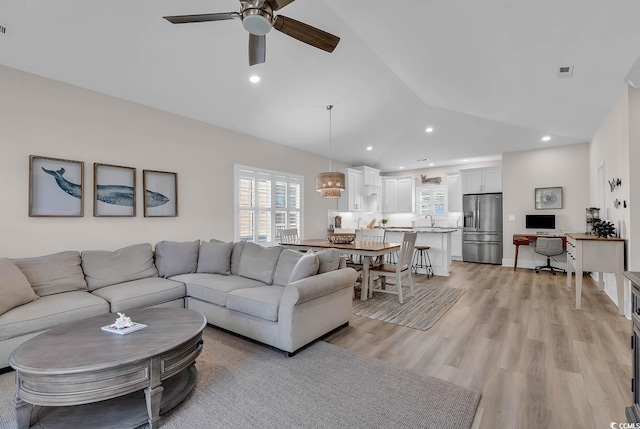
316,286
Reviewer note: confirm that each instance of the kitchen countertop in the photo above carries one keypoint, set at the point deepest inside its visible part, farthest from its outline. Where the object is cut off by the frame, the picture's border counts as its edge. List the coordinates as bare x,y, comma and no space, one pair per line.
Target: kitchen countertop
423,229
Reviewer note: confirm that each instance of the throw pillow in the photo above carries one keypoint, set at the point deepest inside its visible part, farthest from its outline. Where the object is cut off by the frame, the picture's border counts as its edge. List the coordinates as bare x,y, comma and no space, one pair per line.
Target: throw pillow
215,258
15,289
103,268
236,253
329,260
51,274
173,258
306,266
258,262
284,267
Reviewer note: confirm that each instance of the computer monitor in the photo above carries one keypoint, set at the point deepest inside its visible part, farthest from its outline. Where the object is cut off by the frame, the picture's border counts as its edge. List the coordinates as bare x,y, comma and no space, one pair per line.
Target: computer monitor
540,221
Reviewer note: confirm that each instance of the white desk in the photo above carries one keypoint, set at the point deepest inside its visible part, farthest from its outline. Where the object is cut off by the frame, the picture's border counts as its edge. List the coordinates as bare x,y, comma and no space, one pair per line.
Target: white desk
602,255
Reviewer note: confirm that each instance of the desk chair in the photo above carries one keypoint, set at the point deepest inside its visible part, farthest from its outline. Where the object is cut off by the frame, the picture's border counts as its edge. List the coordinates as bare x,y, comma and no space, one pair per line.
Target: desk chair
549,246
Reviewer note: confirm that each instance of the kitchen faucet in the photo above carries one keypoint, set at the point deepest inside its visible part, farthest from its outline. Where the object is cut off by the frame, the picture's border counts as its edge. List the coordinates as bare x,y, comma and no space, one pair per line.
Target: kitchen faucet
432,221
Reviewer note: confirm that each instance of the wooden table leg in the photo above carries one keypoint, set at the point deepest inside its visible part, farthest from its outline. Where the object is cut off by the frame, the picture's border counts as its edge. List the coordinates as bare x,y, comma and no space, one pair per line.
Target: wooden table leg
153,393
515,263
23,413
620,287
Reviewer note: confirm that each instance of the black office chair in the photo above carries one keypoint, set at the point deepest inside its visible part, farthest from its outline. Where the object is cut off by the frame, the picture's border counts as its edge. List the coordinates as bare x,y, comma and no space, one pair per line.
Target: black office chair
549,246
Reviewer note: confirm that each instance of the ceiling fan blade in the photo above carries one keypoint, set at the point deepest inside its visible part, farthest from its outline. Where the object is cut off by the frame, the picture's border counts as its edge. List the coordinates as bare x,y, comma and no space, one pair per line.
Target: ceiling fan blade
279,4
205,17
257,49
306,33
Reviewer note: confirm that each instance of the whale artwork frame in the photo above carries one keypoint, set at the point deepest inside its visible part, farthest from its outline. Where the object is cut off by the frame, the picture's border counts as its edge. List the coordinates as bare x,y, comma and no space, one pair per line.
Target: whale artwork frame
56,187
160,193
114,190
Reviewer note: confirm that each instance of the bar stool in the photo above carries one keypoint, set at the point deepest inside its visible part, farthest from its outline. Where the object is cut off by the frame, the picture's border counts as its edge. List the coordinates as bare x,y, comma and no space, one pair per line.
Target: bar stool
421,259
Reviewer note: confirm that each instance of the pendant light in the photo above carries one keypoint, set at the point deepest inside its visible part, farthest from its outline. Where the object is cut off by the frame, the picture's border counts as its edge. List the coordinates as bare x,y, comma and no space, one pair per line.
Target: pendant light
330,184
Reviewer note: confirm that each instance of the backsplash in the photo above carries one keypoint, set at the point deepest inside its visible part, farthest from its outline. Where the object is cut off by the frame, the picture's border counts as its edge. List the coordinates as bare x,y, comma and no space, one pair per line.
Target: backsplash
354,220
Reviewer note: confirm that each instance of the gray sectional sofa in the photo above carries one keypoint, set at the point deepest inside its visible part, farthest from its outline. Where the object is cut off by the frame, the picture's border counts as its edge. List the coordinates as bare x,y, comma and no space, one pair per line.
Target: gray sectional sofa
276,296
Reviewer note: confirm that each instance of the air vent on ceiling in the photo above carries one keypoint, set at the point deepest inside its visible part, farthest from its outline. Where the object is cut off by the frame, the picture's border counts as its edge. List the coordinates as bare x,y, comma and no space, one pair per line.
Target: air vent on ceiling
565,71
5,30
422,160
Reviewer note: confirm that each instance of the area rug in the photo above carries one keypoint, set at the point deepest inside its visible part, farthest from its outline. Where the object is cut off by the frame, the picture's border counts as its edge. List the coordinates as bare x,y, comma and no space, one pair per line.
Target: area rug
430,303
246,385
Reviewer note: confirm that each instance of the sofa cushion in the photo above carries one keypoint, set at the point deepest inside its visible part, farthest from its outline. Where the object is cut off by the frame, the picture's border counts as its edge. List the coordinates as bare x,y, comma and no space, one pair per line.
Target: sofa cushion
215,258
141,293
258,262
329,260
262,302
306,266
103,268
50,274
287,260
236,253
49,311
15,289
173,258
213,288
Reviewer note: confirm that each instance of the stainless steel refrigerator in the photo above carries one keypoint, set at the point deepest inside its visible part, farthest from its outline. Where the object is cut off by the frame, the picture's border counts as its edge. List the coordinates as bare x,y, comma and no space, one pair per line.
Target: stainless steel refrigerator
482,229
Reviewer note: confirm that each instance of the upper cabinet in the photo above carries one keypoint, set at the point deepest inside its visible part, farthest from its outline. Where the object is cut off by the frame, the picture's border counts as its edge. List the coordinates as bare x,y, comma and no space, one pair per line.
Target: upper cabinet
397,194
454,192
481,180
351,198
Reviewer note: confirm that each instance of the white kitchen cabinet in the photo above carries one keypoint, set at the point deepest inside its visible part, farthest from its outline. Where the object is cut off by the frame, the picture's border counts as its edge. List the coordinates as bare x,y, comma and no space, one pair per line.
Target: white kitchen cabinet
371,176
397,194
454,192
351,199
481,180
456,245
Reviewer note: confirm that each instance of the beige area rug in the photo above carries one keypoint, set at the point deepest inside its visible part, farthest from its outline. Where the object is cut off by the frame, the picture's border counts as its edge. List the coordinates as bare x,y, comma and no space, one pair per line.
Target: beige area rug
430,303
245,385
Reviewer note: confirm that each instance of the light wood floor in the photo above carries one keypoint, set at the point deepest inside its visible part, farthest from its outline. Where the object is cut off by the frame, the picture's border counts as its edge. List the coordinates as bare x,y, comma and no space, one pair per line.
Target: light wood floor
517,338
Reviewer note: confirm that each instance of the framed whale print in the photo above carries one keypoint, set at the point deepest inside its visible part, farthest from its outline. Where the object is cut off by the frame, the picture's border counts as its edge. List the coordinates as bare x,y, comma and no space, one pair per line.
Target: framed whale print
55,187
114,190
160,193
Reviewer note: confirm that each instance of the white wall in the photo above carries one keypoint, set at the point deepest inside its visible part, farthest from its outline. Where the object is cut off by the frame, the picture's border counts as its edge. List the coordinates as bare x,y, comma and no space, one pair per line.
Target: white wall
616,145
47,118
522,172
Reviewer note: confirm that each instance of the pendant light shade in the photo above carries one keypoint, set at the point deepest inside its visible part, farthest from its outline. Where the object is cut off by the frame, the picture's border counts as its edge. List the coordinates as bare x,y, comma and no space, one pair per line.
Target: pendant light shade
330,184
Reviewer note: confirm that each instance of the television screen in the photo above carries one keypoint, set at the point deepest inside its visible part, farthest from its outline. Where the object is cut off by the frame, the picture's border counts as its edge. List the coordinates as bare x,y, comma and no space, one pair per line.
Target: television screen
540,221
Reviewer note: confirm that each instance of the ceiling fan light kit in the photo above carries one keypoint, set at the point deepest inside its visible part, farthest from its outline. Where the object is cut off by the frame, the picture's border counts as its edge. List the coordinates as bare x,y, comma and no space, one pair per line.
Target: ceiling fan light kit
258,19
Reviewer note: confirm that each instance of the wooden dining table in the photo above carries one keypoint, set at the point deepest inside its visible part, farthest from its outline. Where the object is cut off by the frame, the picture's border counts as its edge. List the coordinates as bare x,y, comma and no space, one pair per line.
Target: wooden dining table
369,250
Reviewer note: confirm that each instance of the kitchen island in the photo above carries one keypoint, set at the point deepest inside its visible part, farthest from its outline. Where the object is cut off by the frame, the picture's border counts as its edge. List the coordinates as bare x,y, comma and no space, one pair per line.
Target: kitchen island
439,239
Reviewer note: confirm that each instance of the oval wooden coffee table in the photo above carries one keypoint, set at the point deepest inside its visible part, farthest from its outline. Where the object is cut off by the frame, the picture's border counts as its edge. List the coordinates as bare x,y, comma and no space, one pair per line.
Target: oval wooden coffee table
76,375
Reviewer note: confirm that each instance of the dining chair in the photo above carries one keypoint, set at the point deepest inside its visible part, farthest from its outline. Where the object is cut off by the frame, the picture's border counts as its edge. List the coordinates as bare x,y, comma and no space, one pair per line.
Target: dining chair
289,235
405,260
370,235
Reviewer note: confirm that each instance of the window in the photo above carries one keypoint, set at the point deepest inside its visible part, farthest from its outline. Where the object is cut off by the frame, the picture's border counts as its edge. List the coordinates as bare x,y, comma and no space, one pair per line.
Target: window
266,202
431,201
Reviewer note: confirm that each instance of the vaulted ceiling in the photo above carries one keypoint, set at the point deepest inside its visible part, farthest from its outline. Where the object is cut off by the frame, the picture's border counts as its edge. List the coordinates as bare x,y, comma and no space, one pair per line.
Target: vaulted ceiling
483,74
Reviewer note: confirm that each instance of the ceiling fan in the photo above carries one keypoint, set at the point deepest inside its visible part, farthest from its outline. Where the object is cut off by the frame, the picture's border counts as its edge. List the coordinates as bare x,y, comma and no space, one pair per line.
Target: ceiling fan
258,18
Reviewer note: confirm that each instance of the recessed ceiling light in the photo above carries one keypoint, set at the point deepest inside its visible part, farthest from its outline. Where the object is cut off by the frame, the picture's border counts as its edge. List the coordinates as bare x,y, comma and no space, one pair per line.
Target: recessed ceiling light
254,79
465,160
369,147
401,168
429,129
431,164
546,138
